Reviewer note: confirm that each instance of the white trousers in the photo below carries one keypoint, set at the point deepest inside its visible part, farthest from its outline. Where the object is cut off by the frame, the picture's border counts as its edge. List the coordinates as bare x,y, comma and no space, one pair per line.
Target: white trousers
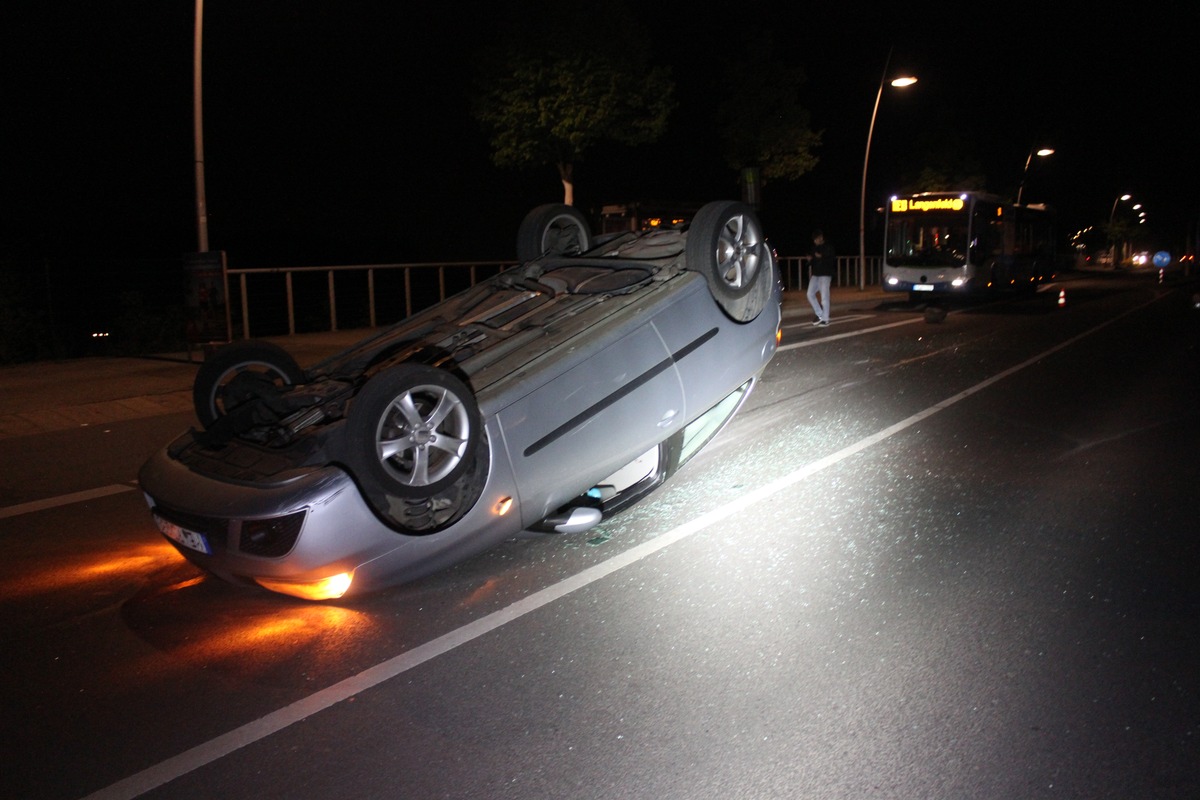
819,285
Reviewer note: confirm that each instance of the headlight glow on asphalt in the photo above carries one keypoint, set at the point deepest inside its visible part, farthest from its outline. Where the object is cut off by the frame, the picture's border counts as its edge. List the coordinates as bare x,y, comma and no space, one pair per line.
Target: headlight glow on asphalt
330,588
83,570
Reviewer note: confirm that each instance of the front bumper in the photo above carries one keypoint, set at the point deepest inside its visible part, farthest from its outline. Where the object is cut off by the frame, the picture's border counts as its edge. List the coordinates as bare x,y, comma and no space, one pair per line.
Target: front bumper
310,528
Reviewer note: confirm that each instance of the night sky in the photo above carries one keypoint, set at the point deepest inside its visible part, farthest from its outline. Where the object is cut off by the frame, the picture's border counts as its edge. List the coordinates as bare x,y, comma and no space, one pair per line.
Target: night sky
339,133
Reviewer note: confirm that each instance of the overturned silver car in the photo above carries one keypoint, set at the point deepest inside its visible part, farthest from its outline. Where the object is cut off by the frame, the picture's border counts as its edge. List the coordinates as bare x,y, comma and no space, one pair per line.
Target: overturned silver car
538,401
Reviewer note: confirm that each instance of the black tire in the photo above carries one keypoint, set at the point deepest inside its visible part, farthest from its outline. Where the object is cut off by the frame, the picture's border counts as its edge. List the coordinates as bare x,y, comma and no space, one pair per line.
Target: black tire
412,431
211,391
553,229
725,243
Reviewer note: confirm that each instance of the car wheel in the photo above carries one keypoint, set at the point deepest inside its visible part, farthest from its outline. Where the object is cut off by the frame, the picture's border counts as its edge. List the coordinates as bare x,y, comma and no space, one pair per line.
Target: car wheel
725,242
553,229
215,392
413,430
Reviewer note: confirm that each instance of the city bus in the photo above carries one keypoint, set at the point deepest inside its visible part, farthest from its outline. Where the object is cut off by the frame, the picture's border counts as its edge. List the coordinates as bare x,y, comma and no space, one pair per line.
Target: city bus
965,243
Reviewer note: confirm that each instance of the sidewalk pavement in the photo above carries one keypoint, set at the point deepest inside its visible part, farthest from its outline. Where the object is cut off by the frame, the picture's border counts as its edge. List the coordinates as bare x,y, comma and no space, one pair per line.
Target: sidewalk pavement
61,395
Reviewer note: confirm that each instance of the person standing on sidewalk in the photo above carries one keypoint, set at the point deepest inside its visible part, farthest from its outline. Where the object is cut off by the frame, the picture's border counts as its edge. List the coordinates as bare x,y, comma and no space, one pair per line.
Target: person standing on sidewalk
822,268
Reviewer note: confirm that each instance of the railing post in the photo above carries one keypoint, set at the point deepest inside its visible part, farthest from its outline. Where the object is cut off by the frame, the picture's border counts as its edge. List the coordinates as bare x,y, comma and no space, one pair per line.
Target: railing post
245,307
291,306
332,304
441,283
371,296
408,292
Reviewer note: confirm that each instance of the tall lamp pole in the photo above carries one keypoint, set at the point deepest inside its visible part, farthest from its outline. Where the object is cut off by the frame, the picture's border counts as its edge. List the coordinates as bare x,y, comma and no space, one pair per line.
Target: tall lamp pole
1111,237
1112,213
1045,151
862,206
198,131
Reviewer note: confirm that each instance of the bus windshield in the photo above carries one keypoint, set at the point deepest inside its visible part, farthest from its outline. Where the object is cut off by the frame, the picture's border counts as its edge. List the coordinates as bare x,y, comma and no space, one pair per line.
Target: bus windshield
931,239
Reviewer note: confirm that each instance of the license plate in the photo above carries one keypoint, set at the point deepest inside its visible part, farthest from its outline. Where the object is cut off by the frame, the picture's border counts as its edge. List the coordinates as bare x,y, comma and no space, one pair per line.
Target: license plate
922,287
189,539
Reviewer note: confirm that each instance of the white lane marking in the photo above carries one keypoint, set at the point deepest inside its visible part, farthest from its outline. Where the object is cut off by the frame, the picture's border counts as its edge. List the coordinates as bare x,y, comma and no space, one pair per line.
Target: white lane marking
62,500
833,321
251,732
847,335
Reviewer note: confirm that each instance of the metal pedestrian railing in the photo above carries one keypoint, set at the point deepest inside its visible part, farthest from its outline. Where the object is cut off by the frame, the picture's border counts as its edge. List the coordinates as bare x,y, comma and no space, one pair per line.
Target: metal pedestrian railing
266,301
794,271
344,295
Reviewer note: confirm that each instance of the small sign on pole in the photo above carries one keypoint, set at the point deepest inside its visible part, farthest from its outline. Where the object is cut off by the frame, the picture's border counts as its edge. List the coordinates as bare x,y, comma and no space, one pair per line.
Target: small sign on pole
206,293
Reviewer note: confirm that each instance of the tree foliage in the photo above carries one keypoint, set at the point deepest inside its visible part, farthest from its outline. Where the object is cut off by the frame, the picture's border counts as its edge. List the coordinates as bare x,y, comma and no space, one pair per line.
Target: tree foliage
1120,229
759,116
562,82
943,176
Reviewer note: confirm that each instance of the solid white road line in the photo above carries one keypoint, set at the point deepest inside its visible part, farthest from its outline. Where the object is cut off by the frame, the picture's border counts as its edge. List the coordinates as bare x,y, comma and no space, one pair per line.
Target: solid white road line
825,339
63,500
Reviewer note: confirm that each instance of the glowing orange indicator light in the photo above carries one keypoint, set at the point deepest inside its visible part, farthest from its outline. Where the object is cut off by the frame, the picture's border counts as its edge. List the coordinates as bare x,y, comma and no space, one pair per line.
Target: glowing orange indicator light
330,588
502,506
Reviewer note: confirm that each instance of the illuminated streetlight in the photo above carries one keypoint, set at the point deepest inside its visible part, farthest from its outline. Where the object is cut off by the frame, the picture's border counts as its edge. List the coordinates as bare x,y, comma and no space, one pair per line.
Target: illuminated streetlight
862,208
1045,151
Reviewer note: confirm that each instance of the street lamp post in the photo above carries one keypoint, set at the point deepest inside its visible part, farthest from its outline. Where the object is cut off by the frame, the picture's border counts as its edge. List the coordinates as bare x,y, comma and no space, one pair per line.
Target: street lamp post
1045,151
1112,253
198,131
862,207
1112,213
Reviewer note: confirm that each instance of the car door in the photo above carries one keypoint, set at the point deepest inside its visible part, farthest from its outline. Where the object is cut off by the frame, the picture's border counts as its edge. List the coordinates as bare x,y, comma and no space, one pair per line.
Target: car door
591,419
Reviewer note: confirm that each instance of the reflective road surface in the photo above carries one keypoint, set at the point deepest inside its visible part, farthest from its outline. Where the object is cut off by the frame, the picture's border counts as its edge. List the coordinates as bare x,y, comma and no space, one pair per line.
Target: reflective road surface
951,559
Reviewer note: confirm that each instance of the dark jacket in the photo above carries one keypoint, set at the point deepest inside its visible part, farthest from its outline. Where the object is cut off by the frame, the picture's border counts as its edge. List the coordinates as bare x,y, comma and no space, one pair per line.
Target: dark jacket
824,260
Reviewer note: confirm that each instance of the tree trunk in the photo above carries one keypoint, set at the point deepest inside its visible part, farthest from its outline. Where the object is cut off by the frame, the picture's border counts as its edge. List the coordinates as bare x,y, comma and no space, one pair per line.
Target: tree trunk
566,173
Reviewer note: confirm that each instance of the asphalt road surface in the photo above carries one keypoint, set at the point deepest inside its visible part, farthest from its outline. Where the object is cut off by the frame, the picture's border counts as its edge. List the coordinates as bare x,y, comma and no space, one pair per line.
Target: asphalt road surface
927,560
